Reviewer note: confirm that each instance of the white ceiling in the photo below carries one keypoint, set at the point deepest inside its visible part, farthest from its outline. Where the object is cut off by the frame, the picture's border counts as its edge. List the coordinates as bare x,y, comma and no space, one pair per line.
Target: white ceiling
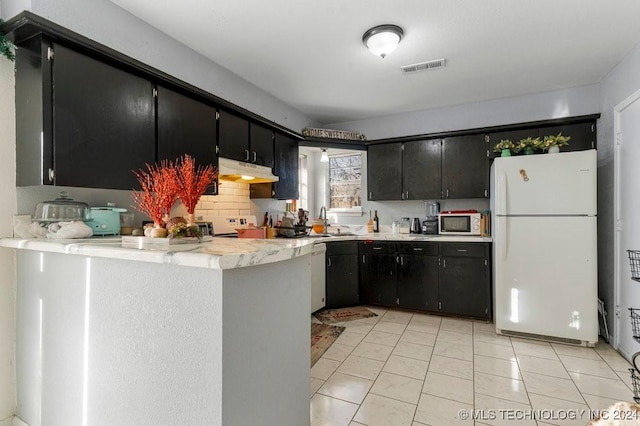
309,53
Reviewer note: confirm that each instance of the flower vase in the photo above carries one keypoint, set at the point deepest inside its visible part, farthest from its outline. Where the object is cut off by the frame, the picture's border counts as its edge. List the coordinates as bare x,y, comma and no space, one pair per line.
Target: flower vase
528,150
505,153
554,149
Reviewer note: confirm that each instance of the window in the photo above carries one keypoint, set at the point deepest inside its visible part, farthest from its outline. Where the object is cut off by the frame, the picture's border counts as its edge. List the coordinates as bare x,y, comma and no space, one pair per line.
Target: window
303,183
344,182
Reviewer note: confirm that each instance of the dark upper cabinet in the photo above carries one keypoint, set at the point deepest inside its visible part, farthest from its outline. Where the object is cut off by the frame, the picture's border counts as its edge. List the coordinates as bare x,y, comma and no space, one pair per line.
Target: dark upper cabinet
233,136
103,122
246,141
186,126
384,172
465,167
583,135
421,170
261,144
285,167
342,280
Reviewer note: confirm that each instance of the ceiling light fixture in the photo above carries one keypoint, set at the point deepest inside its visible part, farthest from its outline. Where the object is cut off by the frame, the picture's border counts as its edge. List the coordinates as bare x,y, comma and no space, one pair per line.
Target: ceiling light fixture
383,39
324,158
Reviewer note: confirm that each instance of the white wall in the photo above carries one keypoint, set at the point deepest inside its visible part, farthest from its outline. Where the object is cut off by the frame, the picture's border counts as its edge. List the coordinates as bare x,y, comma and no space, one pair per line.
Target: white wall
619,84
518,109
7,261
106,23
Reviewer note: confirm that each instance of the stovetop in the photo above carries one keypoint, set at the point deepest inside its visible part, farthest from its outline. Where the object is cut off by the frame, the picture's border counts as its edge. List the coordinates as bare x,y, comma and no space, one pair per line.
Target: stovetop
227,225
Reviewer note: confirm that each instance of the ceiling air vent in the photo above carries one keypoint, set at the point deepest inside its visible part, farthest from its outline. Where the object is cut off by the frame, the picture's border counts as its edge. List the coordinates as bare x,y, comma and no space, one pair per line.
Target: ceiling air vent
430,65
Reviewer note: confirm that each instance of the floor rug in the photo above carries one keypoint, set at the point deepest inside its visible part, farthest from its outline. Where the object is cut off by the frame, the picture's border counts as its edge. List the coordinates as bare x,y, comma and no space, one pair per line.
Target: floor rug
331,316
322,336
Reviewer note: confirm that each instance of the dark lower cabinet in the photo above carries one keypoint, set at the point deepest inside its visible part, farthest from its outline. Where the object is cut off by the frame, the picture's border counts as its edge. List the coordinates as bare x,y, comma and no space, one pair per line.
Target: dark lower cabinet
465,279
418,276
378,273
103,122
342,277
451,278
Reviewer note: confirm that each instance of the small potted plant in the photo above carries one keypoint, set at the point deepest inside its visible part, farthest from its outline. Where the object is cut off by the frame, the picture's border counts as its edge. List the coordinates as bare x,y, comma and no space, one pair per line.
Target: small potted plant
552,143
527,145
7,49
504,147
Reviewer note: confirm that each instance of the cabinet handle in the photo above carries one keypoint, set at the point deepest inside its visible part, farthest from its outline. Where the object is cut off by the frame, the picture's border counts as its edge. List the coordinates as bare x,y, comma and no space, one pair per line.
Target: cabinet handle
273,193
246,155
52,175
407,195
377,248
402,195
401,261
370,195
255,157
447,193
444,263
417,249
215,187
328,261
461,250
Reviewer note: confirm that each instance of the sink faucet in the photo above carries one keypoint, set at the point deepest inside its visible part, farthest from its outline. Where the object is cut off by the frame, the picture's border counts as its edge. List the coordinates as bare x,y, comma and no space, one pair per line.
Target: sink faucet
323,216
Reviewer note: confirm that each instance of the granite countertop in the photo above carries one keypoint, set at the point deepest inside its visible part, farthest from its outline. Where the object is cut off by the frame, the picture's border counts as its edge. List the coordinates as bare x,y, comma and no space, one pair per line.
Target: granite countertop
388,236
218,253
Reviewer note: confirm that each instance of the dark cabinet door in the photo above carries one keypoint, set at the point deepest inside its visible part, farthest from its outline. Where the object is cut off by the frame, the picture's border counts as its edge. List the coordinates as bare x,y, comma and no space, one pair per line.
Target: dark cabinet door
379,280
342,281
103,123
418,282
261,139
285,167
421,170
464,167
186,126
583,135
384,172
463,287
233,136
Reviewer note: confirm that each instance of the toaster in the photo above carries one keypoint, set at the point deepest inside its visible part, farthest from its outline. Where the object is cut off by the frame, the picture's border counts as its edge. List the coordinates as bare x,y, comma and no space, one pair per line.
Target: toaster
105,220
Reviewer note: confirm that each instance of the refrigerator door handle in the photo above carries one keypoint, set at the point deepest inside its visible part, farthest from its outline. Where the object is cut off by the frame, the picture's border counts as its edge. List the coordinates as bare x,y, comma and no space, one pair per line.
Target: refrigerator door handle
501,194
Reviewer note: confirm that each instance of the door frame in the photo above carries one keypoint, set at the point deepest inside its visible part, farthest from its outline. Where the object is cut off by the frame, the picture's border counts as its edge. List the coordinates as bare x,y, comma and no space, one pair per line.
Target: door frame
617,223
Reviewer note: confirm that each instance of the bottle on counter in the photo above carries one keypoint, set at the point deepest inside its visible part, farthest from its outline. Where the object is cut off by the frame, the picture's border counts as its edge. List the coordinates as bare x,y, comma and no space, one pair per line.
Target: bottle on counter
370,223
376,222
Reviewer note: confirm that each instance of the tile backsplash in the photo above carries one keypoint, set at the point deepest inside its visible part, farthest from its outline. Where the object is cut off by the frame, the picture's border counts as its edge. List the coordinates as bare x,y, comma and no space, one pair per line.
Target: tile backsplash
232,199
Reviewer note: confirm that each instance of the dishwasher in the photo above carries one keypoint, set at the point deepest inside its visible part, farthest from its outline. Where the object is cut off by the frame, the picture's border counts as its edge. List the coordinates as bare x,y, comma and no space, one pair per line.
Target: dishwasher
318,273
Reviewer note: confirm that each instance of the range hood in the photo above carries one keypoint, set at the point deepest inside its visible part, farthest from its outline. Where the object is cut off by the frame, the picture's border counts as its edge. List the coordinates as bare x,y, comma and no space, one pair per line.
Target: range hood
238,171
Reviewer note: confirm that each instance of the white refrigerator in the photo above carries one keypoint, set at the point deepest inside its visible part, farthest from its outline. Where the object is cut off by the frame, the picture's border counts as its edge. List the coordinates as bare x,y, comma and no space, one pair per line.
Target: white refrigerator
544,246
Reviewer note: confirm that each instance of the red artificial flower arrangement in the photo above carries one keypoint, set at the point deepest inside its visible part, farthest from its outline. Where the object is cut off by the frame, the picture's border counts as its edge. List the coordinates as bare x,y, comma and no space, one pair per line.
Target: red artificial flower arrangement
162,185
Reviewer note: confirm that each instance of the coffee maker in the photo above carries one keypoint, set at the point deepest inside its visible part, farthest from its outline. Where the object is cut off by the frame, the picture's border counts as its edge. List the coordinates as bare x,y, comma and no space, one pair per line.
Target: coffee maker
430,224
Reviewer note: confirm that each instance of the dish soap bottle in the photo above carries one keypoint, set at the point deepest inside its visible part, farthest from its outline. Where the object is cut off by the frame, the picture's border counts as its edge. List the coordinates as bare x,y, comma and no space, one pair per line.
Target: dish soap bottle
376,222
370,224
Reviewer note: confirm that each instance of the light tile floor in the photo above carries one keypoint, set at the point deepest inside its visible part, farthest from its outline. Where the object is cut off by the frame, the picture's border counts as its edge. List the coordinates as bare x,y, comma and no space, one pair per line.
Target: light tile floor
410,369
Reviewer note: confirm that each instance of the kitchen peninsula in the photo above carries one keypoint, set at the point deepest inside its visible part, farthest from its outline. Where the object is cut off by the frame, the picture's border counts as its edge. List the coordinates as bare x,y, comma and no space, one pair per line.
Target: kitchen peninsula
212,333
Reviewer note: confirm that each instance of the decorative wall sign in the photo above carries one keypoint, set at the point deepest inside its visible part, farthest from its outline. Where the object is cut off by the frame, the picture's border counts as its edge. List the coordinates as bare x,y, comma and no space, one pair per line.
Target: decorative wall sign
311,132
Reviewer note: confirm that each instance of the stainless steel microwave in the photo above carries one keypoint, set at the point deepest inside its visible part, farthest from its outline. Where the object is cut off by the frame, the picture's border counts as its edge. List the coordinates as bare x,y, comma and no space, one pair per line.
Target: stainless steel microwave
455,223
